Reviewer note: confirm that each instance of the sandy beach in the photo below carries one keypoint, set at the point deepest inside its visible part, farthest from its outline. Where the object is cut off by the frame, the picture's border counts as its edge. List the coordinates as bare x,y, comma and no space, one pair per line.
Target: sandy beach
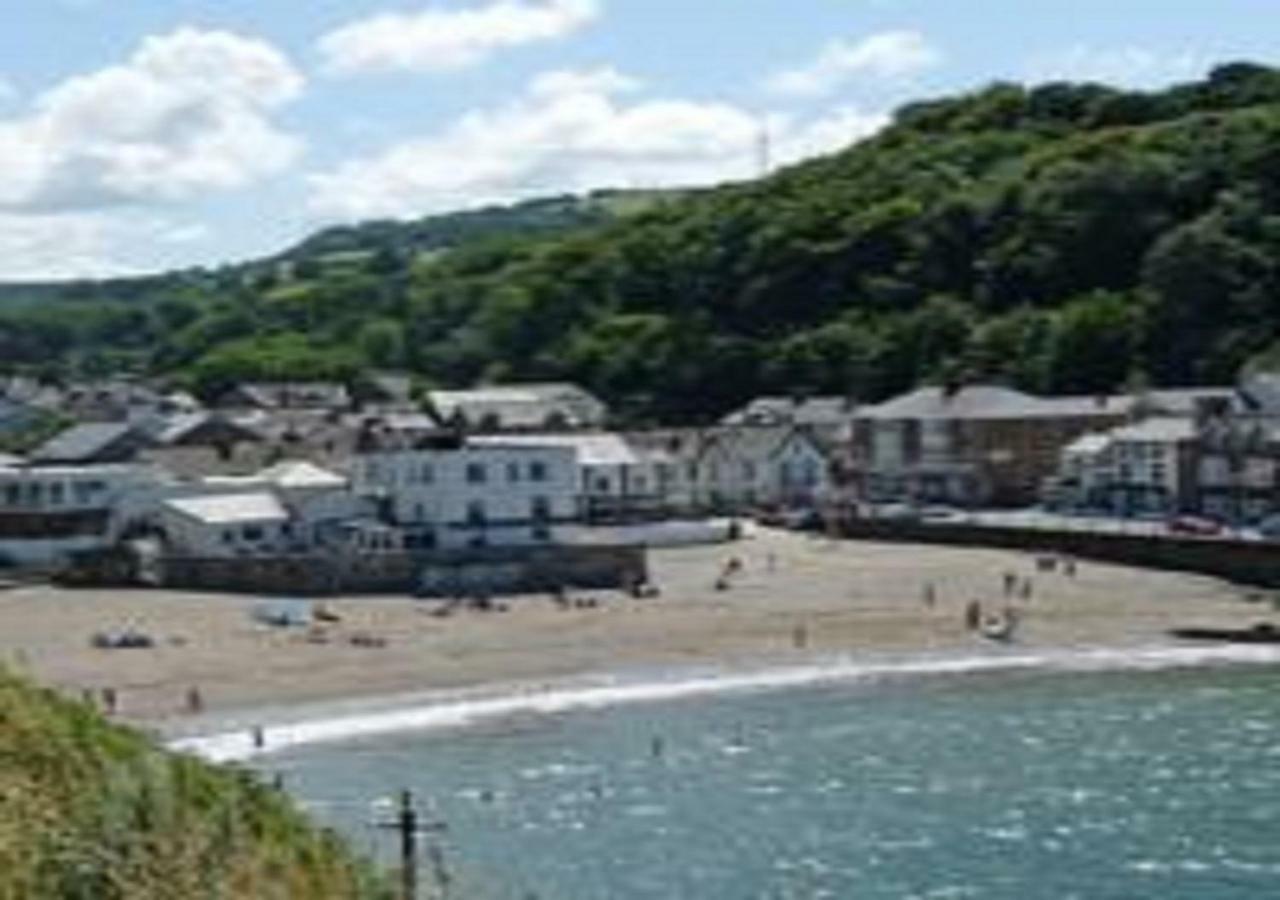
796,598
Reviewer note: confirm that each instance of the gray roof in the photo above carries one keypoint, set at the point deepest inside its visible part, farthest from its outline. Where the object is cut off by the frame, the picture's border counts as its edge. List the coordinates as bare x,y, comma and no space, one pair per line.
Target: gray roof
1160,430
93,442
526,406
829,410
987,402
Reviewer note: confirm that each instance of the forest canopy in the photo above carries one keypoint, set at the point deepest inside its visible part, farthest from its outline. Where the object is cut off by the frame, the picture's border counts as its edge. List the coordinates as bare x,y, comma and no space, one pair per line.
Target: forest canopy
1060,238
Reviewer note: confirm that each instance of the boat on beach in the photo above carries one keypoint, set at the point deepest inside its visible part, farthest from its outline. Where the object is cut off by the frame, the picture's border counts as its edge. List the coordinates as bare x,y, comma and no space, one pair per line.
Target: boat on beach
1262,633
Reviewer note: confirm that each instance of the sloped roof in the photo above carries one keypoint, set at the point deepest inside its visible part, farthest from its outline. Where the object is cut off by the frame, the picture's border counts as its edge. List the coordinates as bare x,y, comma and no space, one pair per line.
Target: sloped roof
520,405
229,509
984,402
592,449
88,442
829,410
1089,444
301,474
1162,429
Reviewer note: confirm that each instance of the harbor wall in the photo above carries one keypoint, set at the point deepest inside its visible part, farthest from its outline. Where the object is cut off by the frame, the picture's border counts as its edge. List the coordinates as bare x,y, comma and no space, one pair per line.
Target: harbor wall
489,571
1252,563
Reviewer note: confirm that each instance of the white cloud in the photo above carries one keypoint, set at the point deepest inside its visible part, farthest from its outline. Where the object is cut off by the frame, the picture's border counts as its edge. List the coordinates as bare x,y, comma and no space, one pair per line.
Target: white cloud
439,39
572,132
187,113
890,54
45,246
1133,67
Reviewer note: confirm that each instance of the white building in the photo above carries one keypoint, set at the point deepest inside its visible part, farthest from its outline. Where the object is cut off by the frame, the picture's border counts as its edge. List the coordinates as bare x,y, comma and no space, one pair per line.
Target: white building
520,407
228,525
753,466
616,480
49,512
1147,468
473,494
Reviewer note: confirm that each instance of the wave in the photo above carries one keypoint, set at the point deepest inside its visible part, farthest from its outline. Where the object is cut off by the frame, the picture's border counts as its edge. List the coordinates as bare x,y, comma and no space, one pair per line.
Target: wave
241,745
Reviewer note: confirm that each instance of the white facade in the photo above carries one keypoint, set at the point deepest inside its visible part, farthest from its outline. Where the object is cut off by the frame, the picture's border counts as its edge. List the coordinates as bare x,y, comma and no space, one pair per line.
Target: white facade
228,525
47,513
478,494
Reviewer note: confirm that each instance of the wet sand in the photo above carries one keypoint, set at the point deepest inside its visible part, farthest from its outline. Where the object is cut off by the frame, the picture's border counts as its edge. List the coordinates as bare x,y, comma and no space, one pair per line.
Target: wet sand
796,598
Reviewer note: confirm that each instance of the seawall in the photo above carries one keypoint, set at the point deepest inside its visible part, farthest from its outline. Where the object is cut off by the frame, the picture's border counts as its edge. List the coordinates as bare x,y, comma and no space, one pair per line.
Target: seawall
1250,563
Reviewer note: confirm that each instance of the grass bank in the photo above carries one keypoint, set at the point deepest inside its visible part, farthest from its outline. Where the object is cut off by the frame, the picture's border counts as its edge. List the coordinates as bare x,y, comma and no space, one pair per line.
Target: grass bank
91,810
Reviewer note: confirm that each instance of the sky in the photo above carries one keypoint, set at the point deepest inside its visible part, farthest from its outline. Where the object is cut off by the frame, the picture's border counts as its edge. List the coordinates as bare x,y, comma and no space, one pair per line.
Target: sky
145,135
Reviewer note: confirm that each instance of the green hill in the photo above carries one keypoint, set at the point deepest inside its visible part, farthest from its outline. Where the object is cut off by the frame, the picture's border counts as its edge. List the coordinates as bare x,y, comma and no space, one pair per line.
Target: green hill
91,811
1061,238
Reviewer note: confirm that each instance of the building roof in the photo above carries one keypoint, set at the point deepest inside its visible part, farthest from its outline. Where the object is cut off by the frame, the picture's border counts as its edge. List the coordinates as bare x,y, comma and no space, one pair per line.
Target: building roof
591,449
1089,444
91,442
1160,430
986,402
818,411
300,474
9,461
293,395
521,405
1183,401
230,509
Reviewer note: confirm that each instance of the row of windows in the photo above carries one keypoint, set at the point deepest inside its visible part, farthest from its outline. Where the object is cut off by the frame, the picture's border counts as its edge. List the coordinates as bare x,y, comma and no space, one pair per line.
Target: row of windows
536,471
476,473
56,493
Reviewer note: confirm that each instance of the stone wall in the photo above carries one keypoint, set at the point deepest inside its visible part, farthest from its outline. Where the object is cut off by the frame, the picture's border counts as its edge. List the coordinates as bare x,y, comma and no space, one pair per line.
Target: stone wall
490,571
1251,563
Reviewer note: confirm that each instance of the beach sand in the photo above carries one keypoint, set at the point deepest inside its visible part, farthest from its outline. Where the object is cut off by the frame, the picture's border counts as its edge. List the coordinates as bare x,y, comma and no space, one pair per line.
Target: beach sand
797,598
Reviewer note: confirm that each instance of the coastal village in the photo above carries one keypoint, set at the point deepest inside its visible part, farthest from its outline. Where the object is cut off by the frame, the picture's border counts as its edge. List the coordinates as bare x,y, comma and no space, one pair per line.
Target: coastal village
374,487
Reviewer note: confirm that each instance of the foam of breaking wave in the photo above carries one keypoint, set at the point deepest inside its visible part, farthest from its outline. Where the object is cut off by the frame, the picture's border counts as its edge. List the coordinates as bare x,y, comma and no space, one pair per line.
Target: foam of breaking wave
551,700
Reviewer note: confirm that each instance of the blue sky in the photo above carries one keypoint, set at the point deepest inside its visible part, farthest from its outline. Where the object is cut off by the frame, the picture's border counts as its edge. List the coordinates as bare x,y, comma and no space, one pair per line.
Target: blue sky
138,135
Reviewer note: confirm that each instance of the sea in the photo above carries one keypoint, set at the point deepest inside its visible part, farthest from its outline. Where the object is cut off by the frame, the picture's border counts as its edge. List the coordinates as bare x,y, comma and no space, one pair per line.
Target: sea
1121,774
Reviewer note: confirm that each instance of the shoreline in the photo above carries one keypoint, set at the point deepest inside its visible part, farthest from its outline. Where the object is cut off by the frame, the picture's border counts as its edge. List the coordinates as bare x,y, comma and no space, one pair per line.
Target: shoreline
795,601
221,740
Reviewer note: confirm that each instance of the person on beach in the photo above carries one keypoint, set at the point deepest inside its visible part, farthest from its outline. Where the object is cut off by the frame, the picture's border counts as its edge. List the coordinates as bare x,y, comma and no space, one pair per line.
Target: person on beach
1010,583
109,700
195,701
259,737
1027,587
973,615
930,596
800,637
657,748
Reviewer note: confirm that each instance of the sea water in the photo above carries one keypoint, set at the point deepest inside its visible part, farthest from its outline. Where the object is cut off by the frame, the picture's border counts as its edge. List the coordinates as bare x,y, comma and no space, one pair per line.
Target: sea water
1010,783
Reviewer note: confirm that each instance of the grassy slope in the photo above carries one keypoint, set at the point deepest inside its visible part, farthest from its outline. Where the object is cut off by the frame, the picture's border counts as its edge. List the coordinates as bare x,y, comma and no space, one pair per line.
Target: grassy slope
91,810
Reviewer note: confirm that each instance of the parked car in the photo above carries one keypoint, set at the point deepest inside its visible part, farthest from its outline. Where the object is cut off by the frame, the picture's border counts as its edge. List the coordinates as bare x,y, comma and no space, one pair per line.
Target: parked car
898,512
1269,528
1194,525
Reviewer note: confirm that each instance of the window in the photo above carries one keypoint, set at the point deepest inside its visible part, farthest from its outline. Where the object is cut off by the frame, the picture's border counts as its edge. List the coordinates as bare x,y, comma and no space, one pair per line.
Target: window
513,472
603,485
12,494
541,513
476,516
427,474
252,533
537,471
228,536
476,473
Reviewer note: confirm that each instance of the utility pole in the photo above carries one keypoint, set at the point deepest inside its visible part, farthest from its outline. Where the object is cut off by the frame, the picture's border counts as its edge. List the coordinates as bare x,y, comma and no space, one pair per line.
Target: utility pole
406,822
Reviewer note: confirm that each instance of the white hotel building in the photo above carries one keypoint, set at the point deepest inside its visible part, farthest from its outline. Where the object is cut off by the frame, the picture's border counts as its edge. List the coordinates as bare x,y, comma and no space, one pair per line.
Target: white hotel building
453,495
